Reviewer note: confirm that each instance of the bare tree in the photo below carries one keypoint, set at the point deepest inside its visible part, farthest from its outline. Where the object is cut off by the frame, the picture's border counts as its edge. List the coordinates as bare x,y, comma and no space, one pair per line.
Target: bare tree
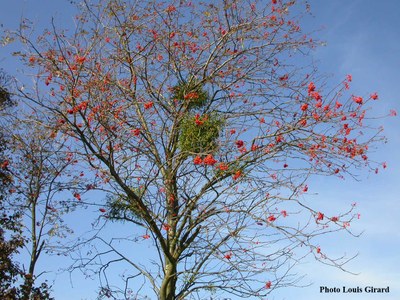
40,171
35,173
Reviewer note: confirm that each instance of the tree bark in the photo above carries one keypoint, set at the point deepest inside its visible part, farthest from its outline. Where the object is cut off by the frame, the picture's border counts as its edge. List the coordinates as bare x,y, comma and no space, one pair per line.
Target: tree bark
168,286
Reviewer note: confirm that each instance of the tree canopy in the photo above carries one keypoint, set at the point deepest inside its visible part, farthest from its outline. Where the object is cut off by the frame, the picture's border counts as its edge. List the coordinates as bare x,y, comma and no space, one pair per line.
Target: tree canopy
202,128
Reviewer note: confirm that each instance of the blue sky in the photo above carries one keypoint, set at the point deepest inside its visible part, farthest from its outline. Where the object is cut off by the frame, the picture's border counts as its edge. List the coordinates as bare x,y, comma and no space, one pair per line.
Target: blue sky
363,39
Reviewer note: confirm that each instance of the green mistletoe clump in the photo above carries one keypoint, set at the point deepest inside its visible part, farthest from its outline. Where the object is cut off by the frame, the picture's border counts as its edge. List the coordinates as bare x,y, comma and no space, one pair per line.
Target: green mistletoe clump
191,93
4,96
121,208
199,133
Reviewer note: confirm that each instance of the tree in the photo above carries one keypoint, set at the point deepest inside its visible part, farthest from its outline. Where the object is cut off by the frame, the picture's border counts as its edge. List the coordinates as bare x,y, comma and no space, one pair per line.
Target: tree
40,173
10,231
31,166
9,247
10,243
204,129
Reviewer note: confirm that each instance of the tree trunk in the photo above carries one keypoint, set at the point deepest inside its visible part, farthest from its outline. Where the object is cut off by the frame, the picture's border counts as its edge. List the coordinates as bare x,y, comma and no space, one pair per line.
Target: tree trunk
168,286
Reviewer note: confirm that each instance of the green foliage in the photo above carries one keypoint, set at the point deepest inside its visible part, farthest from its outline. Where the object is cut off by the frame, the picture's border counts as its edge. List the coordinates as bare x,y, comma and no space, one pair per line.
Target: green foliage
10,272
199,134
191,93
5,96
121,208
29,291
